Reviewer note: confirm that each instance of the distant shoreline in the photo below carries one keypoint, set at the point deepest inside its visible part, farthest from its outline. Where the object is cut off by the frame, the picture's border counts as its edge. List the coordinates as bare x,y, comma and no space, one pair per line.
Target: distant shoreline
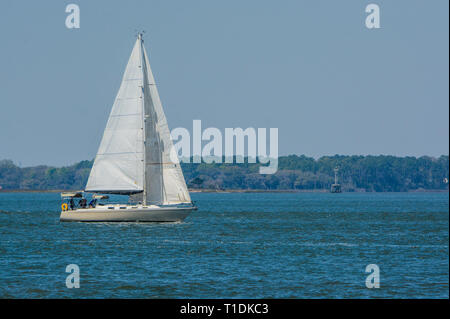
356,173
230,191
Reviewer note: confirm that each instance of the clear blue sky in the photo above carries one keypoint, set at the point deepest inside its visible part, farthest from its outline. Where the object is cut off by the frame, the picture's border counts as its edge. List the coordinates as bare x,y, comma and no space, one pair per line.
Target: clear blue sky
310,68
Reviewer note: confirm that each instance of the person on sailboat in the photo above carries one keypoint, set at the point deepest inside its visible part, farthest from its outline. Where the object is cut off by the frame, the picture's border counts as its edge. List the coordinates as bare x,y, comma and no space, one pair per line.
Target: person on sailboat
92,203
71,204
82,203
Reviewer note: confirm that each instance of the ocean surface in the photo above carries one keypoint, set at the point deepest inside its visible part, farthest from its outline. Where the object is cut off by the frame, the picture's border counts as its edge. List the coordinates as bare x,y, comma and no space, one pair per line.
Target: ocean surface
237,245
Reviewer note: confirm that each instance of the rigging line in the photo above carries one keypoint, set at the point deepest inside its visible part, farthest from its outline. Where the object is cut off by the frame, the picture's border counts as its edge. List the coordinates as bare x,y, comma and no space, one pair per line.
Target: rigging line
119,115
128,98
118,153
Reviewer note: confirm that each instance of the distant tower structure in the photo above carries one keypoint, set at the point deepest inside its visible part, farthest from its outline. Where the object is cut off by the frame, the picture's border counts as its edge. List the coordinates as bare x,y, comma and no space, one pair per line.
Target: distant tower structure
336,187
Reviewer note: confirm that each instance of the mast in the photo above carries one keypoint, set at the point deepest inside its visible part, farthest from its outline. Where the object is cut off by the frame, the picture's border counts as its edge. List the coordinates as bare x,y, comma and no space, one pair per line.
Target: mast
144,118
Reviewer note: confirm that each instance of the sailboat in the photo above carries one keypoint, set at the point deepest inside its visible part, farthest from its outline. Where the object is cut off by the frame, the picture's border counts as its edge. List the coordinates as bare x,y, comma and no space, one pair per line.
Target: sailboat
136,157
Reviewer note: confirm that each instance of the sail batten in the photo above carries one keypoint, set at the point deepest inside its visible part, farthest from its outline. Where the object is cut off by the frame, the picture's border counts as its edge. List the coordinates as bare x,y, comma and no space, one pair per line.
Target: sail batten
136,154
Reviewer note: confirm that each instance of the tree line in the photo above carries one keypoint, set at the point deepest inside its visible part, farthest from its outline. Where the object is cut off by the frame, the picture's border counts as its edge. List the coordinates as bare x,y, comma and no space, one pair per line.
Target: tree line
356,173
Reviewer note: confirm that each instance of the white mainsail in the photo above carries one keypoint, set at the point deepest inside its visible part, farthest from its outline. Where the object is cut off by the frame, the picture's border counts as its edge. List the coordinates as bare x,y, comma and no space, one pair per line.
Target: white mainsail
135,152
118,165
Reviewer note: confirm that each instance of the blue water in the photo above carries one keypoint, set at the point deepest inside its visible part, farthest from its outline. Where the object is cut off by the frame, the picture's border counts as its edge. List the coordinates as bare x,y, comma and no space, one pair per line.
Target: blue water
252,245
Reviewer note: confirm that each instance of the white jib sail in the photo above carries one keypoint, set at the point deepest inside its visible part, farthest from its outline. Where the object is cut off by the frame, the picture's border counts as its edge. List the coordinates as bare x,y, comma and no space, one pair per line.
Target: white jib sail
164,179
119,164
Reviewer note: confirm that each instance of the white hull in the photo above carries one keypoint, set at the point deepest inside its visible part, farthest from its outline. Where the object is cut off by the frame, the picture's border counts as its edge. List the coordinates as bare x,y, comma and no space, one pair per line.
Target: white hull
125,213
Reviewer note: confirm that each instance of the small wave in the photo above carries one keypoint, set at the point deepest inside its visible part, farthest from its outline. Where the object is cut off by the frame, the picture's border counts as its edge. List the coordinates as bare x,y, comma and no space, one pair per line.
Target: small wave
26,212
178,241
126,287
409,246
328,244
9,212
241,242
36,291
